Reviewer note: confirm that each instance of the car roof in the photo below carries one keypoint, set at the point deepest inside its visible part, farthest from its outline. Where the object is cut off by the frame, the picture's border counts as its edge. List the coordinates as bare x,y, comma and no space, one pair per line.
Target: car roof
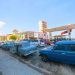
66,42
22,42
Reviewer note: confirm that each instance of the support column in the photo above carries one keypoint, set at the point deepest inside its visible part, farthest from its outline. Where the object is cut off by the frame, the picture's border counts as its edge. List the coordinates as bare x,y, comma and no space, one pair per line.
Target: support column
49,35
69,34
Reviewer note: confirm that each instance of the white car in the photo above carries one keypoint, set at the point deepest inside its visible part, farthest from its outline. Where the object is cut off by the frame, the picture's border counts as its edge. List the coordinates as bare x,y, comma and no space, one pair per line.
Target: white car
38,42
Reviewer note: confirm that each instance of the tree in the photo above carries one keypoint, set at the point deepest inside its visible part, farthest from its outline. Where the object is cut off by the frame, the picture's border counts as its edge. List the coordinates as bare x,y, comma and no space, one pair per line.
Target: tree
13,37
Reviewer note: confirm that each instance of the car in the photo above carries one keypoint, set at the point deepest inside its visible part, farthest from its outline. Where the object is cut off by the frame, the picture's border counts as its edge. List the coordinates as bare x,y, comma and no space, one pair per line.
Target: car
34,42
48,42
62,51
7,45
41,43
23,48
1,43
38,43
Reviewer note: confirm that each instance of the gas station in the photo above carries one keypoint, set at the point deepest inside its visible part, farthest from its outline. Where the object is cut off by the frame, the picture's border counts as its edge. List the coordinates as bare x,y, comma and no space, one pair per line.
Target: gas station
65,29
43,33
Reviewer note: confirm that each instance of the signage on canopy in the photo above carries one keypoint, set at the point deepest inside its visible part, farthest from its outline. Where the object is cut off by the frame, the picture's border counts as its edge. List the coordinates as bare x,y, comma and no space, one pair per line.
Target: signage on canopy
63,32
68,28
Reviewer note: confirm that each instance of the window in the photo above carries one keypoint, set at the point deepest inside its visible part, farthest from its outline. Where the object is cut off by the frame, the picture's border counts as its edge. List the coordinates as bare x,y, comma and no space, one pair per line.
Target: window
71,47
59,47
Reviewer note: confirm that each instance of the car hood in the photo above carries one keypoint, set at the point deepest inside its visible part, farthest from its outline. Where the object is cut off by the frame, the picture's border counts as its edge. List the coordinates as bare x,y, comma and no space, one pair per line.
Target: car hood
47,48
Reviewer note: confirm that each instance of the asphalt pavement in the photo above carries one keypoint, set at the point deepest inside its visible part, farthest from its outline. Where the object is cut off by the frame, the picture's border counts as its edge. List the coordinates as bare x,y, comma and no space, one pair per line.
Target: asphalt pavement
11,66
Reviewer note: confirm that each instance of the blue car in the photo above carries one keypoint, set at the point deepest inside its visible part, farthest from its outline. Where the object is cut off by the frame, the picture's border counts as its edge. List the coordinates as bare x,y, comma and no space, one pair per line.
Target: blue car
7,45
62,51
23,48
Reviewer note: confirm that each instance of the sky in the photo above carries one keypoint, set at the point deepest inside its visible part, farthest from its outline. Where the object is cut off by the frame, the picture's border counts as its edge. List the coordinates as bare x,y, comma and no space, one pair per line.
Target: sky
24,15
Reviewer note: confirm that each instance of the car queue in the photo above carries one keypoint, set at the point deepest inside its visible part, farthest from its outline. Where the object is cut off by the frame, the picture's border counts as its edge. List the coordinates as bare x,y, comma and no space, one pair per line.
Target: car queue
61,51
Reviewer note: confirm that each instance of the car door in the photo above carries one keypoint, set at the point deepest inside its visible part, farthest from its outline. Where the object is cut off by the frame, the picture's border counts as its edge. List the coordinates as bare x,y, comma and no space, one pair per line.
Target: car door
58,53
70,54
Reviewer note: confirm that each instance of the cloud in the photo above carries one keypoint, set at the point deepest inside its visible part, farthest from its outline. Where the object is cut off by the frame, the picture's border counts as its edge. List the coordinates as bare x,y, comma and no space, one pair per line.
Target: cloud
2,23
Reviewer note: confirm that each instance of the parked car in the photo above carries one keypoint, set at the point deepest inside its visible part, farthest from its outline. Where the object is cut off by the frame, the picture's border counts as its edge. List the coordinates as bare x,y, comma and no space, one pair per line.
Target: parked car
23,48
48,42
62,51
38,43
41,43
1,43
7,45
34,42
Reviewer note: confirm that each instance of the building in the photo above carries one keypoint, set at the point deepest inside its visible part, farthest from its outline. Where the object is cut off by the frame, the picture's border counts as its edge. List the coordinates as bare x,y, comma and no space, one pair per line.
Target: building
26,35
42,26
44,32
3,38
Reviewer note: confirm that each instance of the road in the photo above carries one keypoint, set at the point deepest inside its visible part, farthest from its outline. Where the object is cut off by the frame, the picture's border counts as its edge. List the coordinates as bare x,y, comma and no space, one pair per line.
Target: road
34,59
52,67
11,66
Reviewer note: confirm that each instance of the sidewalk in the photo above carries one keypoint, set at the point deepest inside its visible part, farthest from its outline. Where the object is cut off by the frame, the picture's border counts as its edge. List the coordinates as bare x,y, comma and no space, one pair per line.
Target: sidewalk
11,66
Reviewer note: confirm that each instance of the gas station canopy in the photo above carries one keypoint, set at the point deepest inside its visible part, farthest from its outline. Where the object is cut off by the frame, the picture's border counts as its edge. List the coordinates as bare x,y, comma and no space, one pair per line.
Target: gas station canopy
65,27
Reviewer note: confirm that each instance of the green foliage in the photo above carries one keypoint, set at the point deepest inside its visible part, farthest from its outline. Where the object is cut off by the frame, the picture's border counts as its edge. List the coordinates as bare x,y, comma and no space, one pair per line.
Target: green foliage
13,37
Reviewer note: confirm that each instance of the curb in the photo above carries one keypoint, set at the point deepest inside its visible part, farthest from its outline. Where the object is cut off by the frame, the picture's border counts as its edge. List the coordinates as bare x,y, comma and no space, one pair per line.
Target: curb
41,70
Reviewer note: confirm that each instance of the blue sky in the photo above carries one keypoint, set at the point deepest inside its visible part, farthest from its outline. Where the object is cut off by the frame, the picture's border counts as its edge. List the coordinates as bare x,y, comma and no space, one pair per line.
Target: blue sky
24,15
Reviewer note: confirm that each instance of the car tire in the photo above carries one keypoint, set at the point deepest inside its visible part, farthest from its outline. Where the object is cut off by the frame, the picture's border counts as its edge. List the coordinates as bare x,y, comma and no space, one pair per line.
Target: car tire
20,54
44,58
